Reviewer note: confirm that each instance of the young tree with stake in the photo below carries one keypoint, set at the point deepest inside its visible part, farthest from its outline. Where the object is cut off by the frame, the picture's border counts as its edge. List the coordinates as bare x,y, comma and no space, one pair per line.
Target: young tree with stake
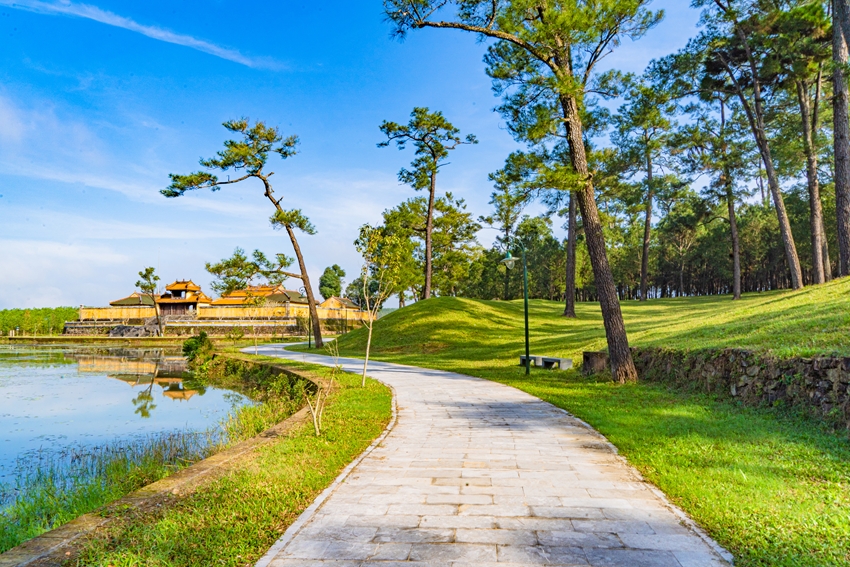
147,285
248,156
383,254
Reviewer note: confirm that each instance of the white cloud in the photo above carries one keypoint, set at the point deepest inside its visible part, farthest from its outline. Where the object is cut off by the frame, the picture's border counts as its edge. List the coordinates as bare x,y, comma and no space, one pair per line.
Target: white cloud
37,273
36,143
94,13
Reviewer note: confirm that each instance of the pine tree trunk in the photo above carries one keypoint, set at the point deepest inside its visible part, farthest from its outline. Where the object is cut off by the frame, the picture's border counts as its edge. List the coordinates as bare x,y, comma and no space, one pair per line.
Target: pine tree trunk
827,263
647,227
311,300
730,205
815,209
755,116
429,228
736,243
570,288
622,365
791,258
841,131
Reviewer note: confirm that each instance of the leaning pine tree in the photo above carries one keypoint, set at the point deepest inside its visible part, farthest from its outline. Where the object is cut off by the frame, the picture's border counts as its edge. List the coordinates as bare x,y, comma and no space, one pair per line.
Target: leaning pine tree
557,44
248,156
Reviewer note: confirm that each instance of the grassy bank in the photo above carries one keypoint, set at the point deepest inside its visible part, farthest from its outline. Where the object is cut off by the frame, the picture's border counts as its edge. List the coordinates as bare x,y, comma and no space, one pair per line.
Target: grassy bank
236,518
772,487
54,487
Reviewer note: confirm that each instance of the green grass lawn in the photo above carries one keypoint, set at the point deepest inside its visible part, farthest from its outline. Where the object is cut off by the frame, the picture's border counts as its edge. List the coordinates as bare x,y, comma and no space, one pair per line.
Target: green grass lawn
772,487
233,520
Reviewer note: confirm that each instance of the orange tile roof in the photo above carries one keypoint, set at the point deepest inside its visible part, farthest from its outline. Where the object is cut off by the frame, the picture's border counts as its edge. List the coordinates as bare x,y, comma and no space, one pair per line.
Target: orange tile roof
183,285
241,296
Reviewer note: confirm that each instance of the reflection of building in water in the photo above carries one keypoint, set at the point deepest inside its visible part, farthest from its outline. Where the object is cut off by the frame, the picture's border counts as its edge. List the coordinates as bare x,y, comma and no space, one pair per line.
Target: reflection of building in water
111,365
173,366
166,372
176,392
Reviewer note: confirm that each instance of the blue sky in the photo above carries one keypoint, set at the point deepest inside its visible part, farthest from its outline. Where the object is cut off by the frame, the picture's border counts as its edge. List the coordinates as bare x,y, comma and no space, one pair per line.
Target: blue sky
100,102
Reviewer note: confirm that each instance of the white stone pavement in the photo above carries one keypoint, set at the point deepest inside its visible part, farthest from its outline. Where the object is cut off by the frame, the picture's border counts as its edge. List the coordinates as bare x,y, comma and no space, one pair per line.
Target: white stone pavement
477,473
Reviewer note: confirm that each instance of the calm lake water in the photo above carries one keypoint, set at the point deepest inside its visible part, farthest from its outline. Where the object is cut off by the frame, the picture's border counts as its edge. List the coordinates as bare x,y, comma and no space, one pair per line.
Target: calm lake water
52,398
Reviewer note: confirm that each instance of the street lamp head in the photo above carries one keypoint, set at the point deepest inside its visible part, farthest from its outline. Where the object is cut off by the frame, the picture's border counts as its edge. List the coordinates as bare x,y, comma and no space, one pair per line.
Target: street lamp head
509,261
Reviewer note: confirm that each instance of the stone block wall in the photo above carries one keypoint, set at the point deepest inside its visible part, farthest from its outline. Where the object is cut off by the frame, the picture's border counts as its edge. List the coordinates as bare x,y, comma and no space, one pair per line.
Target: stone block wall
818,384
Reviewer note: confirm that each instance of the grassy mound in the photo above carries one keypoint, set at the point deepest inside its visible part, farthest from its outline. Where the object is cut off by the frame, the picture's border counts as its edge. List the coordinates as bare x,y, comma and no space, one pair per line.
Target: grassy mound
771,486
476,333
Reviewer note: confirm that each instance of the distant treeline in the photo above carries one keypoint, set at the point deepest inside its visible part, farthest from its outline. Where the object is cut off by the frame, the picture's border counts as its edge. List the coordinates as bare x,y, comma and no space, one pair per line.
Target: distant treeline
42,321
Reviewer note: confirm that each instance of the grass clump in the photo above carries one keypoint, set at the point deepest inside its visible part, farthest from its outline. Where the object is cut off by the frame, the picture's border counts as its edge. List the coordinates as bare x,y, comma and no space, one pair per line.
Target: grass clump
235,519
52,487
771,486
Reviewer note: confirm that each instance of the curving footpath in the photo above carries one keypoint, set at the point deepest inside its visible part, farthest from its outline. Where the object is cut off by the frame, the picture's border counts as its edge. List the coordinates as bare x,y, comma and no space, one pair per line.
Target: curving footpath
478,473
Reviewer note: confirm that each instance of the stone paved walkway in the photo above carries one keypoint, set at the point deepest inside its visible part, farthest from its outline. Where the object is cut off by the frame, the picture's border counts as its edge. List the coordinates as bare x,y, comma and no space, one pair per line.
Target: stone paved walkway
475,473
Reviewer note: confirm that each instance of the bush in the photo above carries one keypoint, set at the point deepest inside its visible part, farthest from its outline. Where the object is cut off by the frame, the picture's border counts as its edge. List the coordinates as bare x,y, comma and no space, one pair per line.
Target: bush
198,349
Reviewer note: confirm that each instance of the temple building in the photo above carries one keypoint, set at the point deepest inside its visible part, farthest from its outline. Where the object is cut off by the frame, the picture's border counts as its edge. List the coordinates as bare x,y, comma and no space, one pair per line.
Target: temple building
185,310
182,298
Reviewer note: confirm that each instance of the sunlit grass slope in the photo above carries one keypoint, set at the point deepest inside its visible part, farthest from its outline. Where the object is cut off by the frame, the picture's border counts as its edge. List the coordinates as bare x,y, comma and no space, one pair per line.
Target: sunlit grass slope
771,486
473,333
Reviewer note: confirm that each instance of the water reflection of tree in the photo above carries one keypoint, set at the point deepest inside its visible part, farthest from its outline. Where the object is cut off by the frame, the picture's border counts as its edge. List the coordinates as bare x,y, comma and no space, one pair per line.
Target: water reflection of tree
144,402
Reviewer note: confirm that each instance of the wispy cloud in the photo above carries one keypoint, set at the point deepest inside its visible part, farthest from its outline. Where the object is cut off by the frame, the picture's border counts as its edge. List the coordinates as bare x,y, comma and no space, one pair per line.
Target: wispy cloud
90,12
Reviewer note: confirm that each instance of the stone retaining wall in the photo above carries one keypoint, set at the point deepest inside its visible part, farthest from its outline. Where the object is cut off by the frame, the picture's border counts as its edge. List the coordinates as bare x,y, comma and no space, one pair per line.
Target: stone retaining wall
818,384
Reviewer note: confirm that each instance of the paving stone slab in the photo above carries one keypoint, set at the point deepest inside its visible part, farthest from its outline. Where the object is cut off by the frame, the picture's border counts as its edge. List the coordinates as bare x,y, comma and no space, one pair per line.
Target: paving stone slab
475,473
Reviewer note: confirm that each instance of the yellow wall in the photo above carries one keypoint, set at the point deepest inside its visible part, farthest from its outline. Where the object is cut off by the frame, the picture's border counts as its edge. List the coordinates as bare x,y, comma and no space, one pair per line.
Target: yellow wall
291,310
89,313
122,313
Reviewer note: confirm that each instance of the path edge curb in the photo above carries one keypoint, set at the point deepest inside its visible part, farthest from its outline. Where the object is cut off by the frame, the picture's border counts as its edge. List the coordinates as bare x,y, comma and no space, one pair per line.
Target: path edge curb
310,512
678,512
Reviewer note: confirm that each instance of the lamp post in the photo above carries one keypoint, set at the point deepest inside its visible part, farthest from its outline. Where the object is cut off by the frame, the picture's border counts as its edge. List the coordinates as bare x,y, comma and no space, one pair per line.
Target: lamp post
509,263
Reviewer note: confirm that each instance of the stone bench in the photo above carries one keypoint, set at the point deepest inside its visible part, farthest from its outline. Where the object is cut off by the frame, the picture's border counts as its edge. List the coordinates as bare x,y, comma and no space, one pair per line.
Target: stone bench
548,362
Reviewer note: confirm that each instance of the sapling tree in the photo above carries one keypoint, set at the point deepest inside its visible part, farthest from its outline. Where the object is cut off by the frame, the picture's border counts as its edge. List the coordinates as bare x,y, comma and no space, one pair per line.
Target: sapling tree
318,404
248,156
432,137
551,46
147,284
383,255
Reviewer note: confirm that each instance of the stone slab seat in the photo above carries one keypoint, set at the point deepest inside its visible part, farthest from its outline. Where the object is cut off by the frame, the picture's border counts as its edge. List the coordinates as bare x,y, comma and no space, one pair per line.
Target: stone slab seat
548,362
